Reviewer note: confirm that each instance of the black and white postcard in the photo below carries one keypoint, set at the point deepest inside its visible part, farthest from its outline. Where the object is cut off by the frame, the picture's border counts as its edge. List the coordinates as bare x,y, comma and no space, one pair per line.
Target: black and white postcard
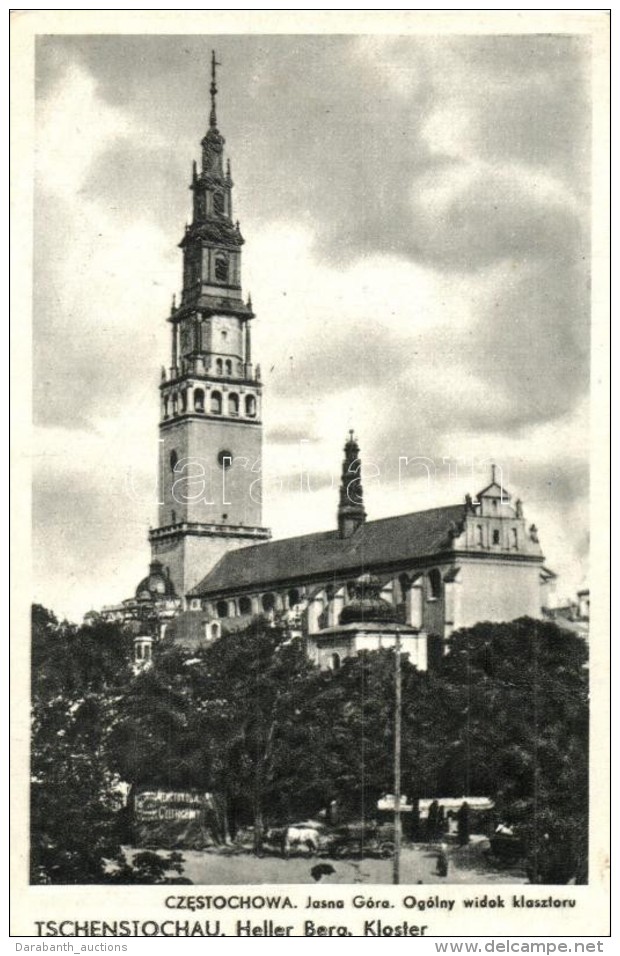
311,474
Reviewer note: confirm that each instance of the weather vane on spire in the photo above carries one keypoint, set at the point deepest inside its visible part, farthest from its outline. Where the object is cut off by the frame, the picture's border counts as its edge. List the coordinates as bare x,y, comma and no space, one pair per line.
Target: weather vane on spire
214,66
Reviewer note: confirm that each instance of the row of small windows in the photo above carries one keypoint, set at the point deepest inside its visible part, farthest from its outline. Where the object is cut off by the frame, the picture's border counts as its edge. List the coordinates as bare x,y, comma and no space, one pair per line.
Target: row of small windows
268,601
179,404
496,537
222,367
244,604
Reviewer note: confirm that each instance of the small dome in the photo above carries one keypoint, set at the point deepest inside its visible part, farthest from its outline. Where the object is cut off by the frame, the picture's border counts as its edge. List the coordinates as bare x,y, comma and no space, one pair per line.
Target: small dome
156,585
368,606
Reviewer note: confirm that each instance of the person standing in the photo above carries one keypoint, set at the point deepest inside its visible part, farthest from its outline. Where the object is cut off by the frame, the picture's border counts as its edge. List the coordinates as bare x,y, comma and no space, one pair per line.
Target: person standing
431,822
462,817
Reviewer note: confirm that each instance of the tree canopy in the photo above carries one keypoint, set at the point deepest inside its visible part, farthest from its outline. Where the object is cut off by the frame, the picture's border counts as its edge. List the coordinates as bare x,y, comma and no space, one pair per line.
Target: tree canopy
248,717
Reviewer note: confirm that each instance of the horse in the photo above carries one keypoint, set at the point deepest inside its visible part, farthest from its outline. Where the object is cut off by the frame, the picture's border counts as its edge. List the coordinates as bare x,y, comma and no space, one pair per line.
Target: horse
300,836
287,838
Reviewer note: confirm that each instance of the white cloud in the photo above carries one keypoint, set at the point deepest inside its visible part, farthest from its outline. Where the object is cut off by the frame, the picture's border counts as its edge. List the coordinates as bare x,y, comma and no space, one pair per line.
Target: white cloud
73,126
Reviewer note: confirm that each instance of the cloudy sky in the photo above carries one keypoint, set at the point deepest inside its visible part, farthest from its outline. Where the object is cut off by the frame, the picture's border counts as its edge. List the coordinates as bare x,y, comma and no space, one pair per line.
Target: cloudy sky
416,215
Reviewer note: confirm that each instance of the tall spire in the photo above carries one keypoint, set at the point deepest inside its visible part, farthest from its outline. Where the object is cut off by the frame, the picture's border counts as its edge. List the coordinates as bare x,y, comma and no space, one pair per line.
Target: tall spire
214,66
351,512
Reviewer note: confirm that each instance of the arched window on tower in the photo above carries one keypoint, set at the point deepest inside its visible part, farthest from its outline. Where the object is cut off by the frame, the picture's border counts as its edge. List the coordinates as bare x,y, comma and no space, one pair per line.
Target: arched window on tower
496,536
221,268
434,584
233,405
218,204
245,605
250,406
199,400
183,401
479,536
216,403
219,366
228,367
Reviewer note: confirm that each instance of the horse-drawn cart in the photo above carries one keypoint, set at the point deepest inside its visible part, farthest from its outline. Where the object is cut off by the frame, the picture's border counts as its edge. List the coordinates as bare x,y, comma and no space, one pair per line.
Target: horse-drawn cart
359,840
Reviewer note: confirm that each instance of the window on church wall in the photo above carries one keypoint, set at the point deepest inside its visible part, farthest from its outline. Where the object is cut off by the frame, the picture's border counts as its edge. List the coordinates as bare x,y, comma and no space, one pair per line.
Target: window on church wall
219,366
174,458
222,609
250,406
175,404
335,662
479,536
183,401
216,403
496,537
199,400
228,368
515,539
293,597
166,407
221,268
245,605
233,405
269,602
434,584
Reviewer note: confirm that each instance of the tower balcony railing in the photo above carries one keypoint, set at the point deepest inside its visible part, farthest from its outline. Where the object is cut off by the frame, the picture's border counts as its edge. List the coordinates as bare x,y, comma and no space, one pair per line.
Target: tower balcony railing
200,527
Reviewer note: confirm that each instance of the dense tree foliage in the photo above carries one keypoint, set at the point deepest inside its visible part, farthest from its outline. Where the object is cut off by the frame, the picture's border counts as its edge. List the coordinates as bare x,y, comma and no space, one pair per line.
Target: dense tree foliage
249,718
514,702
79,675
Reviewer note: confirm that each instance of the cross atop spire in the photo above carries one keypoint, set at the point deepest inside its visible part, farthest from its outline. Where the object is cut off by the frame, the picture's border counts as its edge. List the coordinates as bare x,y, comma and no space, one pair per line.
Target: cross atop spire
213,90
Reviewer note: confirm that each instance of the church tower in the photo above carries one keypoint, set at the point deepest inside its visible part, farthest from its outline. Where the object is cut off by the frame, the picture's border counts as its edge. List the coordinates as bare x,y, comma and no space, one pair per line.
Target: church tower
351,512
210,443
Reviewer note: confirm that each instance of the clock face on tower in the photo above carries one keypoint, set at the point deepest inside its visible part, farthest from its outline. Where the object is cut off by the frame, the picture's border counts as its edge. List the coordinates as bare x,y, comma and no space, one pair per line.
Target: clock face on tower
224,458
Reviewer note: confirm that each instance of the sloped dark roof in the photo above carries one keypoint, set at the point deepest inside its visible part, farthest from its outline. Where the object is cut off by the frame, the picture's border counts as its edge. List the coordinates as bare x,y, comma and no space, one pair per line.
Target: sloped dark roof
375,543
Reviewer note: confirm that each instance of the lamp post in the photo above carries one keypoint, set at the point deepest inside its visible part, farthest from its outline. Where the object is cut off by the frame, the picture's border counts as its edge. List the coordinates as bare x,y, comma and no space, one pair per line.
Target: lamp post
397,756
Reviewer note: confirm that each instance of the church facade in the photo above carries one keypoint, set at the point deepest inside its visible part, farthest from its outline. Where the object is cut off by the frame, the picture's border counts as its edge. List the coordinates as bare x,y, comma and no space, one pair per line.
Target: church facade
213,566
